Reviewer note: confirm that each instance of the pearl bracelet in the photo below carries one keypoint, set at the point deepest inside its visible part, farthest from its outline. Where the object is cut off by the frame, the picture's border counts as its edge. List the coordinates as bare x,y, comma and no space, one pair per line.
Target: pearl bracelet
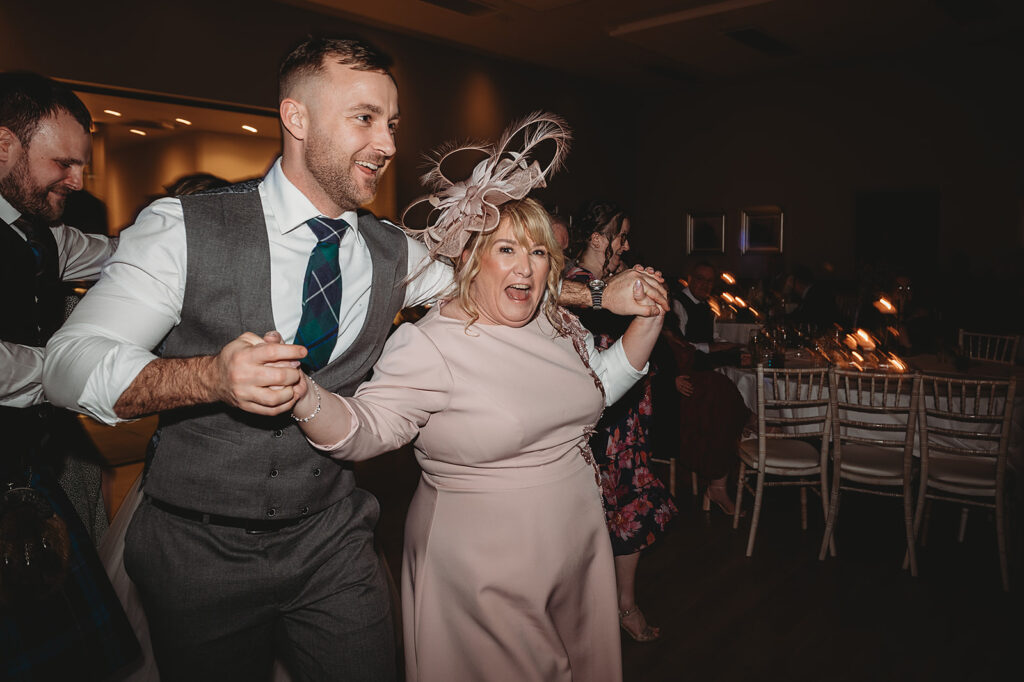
316,392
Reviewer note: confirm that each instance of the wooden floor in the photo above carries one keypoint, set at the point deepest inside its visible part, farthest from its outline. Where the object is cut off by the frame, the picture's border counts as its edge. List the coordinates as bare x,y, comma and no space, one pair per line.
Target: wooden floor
782,614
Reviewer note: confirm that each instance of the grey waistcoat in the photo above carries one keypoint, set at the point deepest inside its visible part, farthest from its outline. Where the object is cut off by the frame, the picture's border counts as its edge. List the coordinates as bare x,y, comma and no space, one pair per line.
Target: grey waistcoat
221,460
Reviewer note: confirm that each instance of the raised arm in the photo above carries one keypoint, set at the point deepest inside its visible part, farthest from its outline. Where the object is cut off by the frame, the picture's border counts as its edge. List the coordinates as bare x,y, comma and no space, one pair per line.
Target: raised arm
625,361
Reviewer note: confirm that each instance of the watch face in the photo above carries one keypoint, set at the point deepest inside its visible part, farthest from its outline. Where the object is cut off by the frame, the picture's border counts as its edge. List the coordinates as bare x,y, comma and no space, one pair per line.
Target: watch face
596,284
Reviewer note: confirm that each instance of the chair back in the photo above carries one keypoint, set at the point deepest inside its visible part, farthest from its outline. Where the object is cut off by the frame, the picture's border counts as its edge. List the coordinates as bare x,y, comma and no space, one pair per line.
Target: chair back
990,347
877,409
792,404
965,432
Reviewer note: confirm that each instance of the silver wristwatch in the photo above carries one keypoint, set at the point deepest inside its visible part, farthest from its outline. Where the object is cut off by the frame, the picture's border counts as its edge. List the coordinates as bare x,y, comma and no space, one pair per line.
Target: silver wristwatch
596,292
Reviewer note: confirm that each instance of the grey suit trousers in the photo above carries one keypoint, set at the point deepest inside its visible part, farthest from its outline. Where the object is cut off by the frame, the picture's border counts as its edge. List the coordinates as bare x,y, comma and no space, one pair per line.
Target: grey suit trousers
222,603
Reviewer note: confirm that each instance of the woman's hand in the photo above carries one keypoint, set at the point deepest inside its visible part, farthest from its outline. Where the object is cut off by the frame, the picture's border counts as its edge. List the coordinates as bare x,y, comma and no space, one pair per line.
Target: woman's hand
643,331
684,385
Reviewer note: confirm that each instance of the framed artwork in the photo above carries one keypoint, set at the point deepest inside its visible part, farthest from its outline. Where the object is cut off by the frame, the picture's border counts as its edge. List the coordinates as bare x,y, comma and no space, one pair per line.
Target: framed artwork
761,229
705,232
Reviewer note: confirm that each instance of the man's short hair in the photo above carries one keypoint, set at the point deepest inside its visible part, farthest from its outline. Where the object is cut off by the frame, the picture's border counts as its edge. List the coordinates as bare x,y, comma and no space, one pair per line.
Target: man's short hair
307,59
703,264
28,98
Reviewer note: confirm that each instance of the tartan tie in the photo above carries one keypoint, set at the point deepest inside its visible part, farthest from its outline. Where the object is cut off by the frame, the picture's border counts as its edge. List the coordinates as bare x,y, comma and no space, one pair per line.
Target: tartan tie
321,294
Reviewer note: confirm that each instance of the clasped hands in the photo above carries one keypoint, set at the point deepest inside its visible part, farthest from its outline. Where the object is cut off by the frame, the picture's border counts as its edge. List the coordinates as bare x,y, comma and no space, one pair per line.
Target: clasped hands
637,291
259,374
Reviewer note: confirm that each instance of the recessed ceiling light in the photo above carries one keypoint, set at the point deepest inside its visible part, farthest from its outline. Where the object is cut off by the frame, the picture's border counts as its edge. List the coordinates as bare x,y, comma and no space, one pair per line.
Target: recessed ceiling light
183,121
250,129
137,131
112,112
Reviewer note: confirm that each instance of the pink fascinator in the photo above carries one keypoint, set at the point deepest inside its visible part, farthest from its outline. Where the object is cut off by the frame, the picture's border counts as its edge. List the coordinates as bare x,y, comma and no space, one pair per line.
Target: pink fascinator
508,173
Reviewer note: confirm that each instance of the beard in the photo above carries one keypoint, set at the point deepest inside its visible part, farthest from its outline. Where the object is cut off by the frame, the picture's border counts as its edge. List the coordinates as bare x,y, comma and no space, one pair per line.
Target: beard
20,190
334,175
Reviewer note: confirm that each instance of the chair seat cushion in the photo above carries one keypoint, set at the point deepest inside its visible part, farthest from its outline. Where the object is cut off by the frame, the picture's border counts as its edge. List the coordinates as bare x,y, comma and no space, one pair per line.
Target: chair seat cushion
974,473
871,461
788,454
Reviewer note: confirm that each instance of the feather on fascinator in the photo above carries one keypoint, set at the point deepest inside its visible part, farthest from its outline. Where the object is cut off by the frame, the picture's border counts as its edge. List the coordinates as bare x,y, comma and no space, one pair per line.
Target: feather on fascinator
507,174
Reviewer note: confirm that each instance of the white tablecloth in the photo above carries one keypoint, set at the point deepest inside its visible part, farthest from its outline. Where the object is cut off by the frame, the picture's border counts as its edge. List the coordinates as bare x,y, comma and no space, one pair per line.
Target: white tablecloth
736,332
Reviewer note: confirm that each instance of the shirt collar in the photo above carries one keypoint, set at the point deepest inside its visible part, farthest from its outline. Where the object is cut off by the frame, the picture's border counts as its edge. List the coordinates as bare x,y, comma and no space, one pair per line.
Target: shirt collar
290,206
692,297
7,212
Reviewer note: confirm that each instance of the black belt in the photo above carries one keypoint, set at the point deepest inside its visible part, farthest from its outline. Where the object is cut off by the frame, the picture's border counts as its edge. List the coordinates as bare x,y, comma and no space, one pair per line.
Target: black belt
250,525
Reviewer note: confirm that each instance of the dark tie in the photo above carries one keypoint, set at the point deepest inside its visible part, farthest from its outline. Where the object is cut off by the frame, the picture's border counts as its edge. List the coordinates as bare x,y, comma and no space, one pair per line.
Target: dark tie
321,294
29,229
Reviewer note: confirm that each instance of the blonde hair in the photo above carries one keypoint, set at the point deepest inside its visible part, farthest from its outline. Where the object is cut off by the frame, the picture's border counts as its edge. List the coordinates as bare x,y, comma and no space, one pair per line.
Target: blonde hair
530,225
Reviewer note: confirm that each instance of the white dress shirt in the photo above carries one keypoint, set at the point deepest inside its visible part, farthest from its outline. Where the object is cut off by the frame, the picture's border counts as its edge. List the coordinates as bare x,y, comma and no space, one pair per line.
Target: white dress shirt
681,313
108,339
80,257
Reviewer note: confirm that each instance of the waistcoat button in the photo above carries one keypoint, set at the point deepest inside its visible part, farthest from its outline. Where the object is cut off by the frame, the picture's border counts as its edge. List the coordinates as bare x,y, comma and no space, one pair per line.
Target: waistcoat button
316,472
273,473
305,510
278,433
271,512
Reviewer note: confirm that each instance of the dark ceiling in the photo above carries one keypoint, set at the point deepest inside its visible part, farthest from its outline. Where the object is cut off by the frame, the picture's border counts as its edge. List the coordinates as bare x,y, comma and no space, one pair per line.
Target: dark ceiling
691,41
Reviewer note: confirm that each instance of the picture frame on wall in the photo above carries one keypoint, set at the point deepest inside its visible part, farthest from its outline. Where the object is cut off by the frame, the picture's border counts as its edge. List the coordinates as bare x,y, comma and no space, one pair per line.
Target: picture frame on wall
705,232
761,229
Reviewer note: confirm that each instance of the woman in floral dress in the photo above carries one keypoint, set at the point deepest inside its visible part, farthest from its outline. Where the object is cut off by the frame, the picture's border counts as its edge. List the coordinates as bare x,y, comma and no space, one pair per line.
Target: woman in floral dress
637,505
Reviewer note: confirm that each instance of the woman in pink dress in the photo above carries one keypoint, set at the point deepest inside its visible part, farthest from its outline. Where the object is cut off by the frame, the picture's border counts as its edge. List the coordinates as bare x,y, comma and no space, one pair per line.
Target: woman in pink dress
507,570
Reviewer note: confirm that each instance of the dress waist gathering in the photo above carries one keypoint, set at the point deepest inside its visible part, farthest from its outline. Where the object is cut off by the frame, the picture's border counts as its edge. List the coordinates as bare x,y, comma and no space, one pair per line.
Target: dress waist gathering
449,477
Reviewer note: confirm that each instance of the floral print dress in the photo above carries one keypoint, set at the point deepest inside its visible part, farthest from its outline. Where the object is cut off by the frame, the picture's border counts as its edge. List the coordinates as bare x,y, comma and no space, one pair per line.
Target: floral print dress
637,506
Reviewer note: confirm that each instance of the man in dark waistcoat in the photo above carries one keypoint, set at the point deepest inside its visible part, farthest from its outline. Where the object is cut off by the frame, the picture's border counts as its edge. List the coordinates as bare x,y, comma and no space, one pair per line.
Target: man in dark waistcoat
78,631
249,544
697,321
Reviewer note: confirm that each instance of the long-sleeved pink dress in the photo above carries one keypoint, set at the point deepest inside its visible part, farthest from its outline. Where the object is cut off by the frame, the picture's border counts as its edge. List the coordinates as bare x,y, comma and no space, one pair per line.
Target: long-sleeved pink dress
508,571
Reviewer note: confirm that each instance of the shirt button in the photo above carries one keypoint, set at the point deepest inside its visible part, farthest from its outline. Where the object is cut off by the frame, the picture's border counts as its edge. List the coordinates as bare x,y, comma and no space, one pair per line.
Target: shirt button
305,510
316,472
278,433
273,473
271,512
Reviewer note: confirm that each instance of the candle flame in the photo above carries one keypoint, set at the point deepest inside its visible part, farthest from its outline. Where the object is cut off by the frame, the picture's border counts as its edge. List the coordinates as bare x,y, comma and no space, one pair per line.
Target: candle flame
896,363
884,302
729,279
727,296
860,358
740,302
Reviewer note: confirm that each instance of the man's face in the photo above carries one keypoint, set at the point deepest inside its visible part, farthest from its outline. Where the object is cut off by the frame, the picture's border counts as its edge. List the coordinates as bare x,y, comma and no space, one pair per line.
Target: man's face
50,168
353,120
701,280
561,232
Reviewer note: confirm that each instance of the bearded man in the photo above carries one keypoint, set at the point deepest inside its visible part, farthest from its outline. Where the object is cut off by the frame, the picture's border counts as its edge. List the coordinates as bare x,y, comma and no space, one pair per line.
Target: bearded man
59,614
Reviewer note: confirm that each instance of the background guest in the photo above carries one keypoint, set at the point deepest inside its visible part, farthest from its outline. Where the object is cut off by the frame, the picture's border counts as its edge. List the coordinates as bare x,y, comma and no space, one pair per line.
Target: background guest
59,614
697,320
816,302
637,506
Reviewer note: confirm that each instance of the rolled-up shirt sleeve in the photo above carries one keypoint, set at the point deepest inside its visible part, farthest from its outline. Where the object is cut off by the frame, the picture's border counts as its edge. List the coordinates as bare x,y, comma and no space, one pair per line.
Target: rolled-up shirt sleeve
613,369
411,381
108,339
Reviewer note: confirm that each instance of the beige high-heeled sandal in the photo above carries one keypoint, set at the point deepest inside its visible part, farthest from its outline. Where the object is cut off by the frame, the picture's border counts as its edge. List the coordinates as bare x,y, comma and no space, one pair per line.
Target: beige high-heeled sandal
649,633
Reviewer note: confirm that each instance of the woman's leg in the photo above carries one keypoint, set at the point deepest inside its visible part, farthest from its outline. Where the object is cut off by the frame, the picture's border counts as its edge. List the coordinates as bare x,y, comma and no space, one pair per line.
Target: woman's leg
631,617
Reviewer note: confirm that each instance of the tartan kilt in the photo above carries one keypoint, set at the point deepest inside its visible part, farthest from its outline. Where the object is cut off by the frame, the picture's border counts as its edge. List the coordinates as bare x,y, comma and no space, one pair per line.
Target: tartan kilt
80,632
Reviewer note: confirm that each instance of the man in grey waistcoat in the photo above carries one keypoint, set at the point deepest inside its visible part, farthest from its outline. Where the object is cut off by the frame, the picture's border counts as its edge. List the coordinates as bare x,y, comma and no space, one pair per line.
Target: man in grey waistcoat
249,544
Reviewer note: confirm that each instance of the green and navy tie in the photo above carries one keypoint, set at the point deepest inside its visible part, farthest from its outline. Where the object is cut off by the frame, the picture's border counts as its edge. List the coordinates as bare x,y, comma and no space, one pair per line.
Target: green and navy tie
321,294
